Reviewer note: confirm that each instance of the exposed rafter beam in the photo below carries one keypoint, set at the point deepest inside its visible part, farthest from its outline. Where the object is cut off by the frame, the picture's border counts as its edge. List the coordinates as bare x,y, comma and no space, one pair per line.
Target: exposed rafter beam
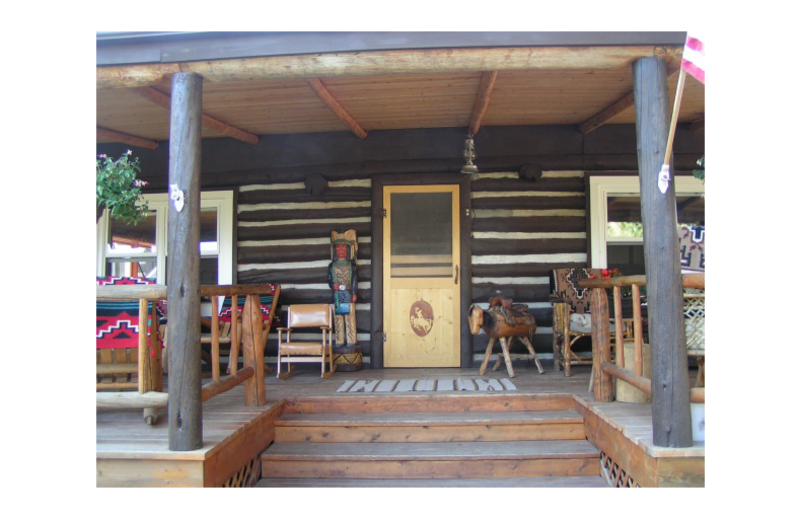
327,98
119,137
164,101
616,108
603,117
482,101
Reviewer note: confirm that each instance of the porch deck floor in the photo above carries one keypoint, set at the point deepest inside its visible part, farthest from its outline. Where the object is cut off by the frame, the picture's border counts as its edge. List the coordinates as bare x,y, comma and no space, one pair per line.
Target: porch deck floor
124,433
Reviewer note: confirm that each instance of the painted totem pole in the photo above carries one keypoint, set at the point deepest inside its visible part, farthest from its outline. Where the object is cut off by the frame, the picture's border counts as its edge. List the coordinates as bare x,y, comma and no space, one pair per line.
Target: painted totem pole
343,279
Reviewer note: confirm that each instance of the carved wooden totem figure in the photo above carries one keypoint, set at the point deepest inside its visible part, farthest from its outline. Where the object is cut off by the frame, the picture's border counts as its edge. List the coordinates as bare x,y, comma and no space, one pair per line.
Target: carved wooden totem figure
343,279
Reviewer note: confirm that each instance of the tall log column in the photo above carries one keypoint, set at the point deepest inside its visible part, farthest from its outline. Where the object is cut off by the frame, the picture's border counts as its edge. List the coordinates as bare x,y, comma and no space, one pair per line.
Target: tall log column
183,265
672,425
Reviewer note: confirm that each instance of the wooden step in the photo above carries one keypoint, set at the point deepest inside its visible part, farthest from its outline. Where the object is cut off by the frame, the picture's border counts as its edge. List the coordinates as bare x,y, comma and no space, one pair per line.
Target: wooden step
429,403
554,482
446,460
427,427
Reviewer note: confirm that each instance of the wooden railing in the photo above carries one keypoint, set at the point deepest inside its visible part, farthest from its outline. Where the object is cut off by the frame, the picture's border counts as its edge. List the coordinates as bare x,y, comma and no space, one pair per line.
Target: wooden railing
603,369
149,396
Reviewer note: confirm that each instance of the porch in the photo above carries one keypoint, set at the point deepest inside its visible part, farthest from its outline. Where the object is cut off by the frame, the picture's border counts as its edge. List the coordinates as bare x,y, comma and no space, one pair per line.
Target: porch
132,453
521,216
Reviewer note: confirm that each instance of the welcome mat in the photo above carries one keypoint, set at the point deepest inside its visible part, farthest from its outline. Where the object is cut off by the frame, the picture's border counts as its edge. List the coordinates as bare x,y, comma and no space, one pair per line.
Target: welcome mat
427,385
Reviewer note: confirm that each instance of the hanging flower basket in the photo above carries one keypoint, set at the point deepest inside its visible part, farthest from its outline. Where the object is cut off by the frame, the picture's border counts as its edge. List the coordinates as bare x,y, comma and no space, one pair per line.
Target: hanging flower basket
118,189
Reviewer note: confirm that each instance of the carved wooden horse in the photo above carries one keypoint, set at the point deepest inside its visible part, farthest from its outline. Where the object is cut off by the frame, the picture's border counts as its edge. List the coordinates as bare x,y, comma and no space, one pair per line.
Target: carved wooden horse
495,326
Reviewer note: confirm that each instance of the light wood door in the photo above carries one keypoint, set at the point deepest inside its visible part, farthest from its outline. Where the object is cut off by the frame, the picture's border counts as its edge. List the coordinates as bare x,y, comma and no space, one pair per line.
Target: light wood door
421,296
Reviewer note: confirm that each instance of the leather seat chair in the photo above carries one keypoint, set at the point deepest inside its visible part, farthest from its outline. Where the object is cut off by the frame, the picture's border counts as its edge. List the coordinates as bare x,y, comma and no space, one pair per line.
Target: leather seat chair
317,315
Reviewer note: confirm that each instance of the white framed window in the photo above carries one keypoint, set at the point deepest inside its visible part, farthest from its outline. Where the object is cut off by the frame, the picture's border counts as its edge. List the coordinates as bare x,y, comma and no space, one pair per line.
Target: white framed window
141,250
615,218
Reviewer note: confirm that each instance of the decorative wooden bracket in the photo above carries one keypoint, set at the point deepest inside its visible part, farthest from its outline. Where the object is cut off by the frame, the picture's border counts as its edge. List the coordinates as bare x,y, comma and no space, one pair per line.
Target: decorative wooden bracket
119,137
327,98
482,101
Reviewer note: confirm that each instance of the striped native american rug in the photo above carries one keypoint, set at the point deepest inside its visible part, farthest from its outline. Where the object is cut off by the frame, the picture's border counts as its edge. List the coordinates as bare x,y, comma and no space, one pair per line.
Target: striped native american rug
427,385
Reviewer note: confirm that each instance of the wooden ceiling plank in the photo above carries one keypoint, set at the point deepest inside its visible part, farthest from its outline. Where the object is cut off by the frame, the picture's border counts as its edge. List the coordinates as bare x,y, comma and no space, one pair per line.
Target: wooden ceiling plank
488,80
327,98
119,137
164,101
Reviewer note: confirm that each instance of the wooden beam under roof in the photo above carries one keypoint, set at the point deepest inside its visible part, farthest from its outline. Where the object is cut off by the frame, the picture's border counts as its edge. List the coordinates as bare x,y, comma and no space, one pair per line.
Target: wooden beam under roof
119,137
164,100
327,98
619,106
482,101
382,63
605,115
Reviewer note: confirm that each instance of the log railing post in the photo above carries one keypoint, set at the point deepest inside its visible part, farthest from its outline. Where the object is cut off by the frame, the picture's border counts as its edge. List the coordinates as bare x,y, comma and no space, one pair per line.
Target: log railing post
183,288
672,425
255,392
601,346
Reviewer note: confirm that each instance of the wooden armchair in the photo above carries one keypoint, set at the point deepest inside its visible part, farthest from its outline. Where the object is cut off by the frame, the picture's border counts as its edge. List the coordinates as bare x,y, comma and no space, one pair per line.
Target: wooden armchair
571,315
307,316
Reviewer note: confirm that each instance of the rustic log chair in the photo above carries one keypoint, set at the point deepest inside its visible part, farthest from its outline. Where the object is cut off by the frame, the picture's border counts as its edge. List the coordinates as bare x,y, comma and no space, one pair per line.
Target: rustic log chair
571,315
118,342
233,338
315,315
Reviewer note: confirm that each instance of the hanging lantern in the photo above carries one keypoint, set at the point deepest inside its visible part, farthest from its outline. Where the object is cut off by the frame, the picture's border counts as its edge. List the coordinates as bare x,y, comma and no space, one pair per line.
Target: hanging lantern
469,156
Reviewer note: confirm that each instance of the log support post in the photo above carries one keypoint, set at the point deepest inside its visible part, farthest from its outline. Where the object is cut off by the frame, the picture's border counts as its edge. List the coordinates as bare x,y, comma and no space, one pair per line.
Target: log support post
672,425
255,393
602,382
183,266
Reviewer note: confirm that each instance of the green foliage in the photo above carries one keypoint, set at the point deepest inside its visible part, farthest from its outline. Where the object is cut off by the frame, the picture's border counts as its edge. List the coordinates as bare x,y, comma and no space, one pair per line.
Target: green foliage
700,173
118,189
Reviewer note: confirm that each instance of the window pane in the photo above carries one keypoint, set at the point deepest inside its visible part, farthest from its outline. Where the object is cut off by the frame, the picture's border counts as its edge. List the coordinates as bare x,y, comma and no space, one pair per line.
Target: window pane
208,231
133,242
136,267
125,238
421,235
624,217
625,222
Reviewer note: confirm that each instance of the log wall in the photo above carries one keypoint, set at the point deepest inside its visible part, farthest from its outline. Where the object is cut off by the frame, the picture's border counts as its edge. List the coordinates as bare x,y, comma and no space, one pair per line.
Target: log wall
520,229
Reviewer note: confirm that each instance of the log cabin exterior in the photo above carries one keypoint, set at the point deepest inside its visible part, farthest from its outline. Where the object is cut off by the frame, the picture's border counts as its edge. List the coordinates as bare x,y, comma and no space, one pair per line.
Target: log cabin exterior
377,115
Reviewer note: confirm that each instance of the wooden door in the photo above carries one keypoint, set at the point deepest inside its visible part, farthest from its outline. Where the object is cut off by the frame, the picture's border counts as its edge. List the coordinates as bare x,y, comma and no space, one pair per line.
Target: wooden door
421,295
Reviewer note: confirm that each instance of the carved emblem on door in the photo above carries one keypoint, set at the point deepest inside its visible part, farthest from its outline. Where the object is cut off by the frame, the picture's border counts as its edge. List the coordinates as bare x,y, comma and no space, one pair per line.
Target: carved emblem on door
421,318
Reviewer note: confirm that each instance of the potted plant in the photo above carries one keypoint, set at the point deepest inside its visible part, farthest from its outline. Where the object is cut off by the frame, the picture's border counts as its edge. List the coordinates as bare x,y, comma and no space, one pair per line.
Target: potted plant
118,189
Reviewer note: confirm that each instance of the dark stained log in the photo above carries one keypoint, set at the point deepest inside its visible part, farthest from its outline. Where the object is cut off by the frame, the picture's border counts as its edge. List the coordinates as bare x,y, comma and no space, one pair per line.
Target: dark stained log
465,229
316,275
488,246
545,184
294,231
672,425
520,293
487,270
529,203
266,215
537,224
299,195
376,281
185,409
297,253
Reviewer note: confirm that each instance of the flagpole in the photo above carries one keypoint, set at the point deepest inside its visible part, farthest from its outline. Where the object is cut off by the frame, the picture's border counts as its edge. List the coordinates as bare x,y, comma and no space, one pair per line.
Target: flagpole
663,178
675,109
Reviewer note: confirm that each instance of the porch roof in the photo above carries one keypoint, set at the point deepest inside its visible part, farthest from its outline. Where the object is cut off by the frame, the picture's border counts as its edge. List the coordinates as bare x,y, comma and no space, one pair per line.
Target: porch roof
257,84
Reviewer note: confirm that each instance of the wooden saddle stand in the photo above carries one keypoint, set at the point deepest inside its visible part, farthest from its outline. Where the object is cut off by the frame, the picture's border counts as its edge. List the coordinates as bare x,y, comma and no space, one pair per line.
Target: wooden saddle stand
506,321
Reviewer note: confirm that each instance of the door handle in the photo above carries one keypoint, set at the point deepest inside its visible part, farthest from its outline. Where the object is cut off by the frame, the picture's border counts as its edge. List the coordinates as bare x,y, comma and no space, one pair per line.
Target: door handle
456,280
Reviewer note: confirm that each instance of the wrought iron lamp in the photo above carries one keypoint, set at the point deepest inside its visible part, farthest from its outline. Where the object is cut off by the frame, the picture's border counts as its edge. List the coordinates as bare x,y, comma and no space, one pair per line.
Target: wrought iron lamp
469,155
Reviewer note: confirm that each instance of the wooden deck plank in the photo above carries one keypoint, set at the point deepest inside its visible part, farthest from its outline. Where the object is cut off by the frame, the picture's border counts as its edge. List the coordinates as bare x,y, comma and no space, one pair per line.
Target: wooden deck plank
546,482
514,450
431,419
